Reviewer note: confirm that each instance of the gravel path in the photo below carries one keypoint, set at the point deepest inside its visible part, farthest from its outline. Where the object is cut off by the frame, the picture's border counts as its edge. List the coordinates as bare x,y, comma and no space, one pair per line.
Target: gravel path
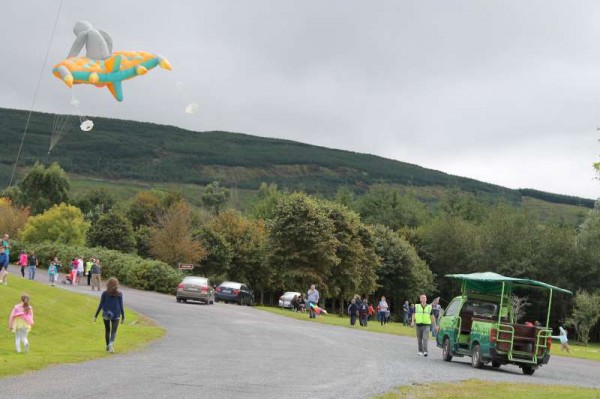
229,351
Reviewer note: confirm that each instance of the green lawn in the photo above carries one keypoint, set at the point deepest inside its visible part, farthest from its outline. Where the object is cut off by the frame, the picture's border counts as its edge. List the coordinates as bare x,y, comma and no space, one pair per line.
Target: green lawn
591,352
477,389
63,331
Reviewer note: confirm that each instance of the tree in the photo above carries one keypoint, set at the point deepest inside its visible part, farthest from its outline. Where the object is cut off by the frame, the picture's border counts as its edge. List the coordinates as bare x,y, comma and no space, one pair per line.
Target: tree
402,275
60,224
214,197
302,243
383,205
587,271
247,240
145,208
356,270
12,218
112,231
94,203
518,305
586,314
44,187
266,201
171,238
219,254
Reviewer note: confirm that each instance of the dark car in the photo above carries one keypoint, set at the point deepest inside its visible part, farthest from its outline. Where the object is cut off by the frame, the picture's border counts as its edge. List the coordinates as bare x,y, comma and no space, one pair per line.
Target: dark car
195,289
230,291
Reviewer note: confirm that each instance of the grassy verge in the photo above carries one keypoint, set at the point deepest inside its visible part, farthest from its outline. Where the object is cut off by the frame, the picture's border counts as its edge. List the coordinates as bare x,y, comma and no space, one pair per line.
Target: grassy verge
63,331
477,389
591,352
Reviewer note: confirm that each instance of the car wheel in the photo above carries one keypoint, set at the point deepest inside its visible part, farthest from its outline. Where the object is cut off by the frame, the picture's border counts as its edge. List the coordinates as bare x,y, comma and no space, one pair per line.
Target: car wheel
496,364
528,370
241,302
446,351
476,357
251,302
178,300
184,300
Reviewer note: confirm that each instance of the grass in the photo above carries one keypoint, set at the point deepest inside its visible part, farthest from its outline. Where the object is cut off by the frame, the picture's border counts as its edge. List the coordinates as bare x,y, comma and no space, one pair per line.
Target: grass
591,352
63,331
478,389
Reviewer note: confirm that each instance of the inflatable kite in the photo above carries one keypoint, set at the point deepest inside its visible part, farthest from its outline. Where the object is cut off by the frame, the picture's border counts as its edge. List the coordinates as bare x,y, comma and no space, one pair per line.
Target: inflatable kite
317,309
122,65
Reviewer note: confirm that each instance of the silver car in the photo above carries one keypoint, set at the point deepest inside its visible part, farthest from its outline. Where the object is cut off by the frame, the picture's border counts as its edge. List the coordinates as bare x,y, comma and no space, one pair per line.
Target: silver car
195,289
285,301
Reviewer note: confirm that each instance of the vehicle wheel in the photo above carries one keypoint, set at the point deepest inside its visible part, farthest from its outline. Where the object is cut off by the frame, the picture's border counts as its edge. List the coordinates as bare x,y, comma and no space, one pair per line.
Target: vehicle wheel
476,357
496,364
241,302
251,302
206,302
528,370
446,351
178,300
184,300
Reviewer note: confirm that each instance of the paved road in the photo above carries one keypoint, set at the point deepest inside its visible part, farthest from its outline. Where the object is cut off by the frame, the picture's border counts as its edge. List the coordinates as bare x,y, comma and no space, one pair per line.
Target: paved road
229,351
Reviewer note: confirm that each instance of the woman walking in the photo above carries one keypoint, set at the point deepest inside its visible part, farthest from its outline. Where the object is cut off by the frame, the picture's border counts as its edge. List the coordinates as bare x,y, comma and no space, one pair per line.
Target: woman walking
20,322
111,304
382,309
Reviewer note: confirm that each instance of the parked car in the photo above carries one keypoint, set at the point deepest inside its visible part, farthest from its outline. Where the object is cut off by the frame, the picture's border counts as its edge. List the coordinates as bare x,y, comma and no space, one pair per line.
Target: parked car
230,291
286,299
195,289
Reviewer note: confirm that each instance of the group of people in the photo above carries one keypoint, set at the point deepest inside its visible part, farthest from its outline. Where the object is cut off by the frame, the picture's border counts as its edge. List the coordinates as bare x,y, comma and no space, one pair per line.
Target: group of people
298,303
90,269
111,305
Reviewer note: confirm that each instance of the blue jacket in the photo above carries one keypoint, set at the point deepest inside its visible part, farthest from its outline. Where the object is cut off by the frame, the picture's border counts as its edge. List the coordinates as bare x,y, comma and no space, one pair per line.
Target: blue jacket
111,306
3,260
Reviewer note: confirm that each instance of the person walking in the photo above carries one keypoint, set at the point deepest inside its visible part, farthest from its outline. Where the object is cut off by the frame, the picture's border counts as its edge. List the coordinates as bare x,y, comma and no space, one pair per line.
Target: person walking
436,308
406,310
88,270
52,272
363,312
22,262
20,322
32,264
382,309
313,300
96,272
3,265
353,311
111,305
423,318
6,245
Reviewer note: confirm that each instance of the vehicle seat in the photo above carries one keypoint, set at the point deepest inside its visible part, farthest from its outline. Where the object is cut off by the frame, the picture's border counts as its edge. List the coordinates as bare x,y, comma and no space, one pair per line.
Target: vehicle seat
466,321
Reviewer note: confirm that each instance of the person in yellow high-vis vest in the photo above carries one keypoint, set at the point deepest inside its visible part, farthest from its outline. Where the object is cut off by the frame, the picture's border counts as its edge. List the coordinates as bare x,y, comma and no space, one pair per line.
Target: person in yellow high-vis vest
423,318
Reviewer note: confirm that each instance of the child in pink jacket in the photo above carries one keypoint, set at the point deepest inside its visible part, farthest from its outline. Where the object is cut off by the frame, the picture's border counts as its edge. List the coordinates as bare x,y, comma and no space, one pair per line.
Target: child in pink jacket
20,322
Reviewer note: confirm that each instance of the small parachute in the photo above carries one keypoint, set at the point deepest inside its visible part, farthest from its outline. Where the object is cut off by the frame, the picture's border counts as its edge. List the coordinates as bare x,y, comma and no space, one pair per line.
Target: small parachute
188,107
64,123
191,108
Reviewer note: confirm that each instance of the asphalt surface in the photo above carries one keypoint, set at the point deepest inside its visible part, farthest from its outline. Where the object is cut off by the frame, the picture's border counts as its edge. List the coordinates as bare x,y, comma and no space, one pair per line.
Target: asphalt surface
229,351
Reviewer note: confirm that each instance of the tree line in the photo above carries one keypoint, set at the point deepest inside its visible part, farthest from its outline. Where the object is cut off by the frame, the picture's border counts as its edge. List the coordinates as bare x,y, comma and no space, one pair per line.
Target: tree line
382,242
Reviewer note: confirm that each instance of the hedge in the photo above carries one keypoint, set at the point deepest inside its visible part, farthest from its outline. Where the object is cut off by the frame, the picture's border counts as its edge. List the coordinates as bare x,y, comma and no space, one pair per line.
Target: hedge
131,270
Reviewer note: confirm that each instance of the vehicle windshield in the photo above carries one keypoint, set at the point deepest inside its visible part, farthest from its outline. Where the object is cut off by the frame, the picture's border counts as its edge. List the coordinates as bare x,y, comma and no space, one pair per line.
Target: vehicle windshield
195,280
480,308
229,284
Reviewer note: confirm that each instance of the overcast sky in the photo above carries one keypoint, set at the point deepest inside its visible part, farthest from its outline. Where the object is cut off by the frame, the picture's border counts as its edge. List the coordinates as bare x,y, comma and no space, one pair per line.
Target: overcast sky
506,92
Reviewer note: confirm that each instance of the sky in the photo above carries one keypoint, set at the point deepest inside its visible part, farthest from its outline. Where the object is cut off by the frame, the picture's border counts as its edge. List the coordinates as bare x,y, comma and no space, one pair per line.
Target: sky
506,92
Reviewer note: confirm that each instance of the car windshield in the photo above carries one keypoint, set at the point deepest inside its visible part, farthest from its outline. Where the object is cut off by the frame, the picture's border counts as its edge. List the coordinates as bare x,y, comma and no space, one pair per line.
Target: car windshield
229,284
195,280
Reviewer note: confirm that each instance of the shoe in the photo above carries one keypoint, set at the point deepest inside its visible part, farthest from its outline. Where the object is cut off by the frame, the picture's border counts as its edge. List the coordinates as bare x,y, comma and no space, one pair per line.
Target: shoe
420,353
425,354
111,348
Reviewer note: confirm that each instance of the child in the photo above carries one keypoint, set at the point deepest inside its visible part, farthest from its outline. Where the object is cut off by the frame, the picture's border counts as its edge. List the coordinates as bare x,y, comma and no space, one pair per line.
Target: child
564,341
52,273
363,313
23,262
20,322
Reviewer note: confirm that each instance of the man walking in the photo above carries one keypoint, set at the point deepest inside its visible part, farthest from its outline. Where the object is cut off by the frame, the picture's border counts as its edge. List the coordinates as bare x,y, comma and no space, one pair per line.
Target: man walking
313,299
423,318
32,264
3,265
406,310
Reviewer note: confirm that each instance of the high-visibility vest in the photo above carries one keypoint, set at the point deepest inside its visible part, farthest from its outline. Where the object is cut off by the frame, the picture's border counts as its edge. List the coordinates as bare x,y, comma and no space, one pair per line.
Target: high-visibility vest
422,315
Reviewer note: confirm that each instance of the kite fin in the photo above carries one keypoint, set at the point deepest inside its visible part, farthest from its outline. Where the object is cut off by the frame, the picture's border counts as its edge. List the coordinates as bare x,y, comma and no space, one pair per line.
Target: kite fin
116,89
113,64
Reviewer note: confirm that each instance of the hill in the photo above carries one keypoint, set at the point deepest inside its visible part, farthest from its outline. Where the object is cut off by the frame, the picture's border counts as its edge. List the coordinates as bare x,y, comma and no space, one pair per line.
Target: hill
144,152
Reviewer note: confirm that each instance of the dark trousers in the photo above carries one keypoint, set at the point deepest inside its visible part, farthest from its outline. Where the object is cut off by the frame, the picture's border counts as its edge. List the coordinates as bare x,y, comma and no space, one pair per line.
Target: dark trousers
23,271
89,276
110,331
363,320
352,319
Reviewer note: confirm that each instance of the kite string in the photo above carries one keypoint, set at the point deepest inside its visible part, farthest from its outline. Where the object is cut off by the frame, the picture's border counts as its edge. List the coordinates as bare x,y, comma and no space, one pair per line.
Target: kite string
36,93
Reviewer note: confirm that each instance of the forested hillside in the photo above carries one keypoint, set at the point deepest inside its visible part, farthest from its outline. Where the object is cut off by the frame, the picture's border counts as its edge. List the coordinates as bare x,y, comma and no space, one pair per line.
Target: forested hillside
119,149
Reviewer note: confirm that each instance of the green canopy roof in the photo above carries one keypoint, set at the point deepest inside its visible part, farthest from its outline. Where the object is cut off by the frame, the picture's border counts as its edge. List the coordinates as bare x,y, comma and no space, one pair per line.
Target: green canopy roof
491,282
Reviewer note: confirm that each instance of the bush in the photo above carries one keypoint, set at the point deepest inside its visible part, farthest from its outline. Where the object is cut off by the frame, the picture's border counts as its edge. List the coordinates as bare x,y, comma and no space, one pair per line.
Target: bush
131,270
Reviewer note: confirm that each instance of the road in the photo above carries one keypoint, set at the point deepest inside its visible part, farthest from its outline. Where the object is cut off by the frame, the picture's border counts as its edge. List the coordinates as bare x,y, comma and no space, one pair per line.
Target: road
229,351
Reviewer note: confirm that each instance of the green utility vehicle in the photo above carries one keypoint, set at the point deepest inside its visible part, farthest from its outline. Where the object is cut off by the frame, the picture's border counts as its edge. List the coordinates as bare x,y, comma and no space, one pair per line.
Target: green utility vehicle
480,323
